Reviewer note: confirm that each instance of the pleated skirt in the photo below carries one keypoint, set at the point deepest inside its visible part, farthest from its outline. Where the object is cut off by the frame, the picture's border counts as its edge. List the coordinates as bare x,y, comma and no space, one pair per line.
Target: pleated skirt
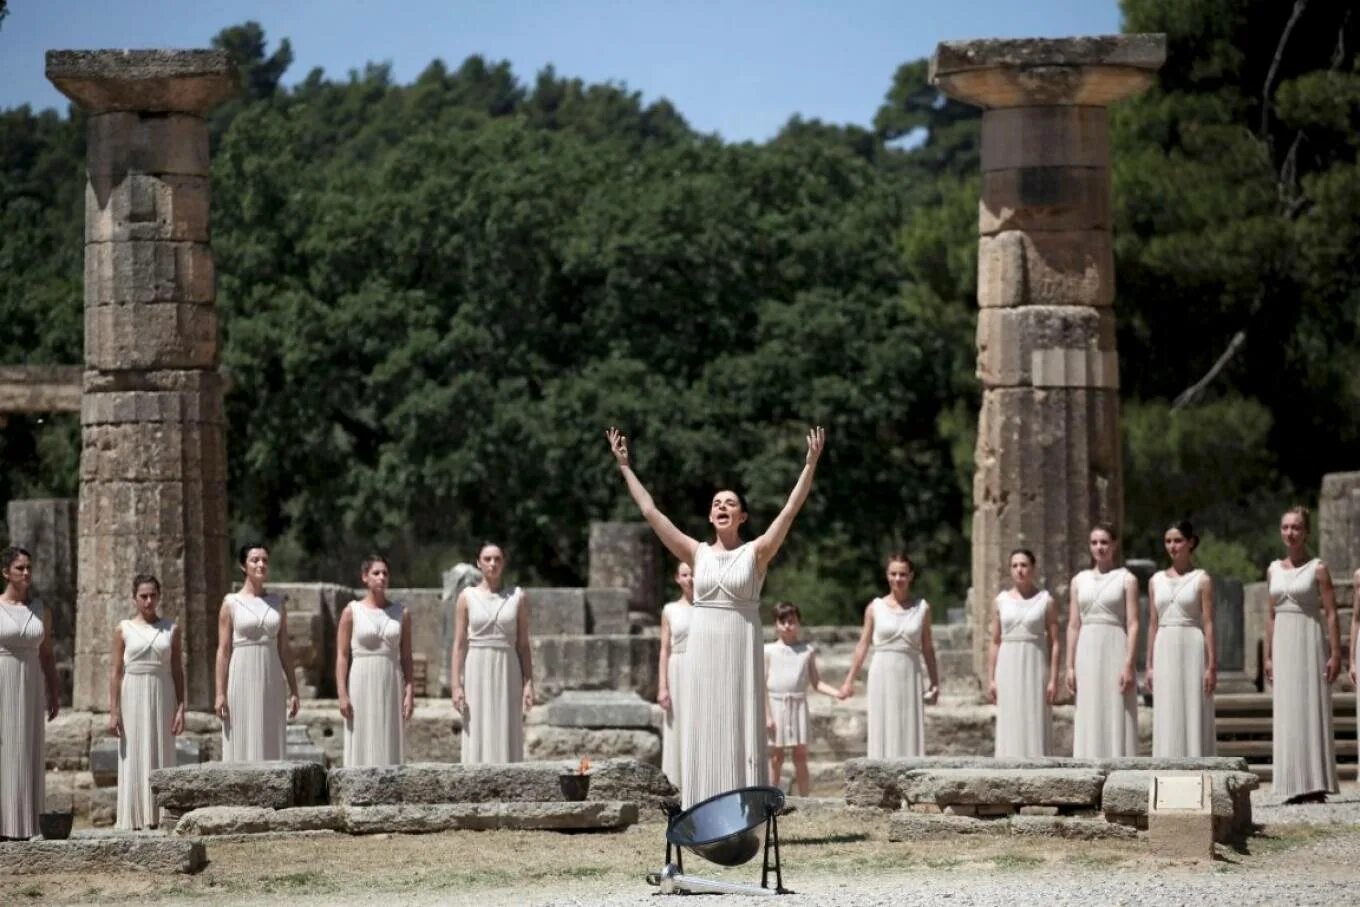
148,706
1304,761
22,736
790,719
1023,716
1106,722
493,725
897,721
256,706
671,744
724,740
374,735
1182,715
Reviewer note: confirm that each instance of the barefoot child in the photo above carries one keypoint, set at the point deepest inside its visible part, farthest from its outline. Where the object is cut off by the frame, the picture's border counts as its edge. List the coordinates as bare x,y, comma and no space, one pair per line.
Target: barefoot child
790,667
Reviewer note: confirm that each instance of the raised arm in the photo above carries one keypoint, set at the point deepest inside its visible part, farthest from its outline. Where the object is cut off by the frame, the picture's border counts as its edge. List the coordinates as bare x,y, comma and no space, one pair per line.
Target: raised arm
1206,607
769,543
1073,633
866,638
676,542
344,631
116,683
458,657
1328,595
525,651
1131,624
223,659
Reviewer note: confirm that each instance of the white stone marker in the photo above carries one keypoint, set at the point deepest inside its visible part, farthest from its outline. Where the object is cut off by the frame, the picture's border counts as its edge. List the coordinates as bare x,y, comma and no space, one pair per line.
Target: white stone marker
1181,817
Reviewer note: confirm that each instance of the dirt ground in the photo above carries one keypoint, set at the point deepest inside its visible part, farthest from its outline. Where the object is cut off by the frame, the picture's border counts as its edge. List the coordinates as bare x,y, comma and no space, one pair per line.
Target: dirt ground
824,851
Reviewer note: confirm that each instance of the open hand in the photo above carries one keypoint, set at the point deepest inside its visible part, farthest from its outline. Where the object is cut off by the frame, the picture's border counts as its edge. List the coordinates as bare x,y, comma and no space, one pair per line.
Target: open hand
220,707
1333,668
991,692
663,699
459,701
1051,692
408,704
1210,681
346,708
618,445
116,724
177,723
1126,680
293,705
1072,682
528,696
816,442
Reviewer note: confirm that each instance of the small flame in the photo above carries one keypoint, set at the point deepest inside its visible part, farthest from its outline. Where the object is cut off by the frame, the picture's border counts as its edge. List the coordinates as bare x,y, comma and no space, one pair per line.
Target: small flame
584,767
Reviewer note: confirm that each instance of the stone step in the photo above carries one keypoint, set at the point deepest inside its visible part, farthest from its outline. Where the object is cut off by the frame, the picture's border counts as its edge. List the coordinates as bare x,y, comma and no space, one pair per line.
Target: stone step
1262,749
1244,704
99,853
597,815
1264,724
430,782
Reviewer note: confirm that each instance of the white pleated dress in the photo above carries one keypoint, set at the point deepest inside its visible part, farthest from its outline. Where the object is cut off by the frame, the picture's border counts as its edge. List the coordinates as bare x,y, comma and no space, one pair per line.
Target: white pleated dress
257,693
723,724
897,721
147,702
1024,724
1182,715
677,615
493,725
1106,723
374,735
23,704
1304,761
788,682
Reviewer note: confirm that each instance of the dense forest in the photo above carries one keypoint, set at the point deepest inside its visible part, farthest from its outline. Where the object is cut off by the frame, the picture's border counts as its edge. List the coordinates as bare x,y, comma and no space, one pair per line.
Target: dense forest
435,297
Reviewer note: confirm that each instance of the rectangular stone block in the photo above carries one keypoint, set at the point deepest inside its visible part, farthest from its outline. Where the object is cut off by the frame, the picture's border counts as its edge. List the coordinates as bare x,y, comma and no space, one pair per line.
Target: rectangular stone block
1044,199
1050,136
105,853
611,779
1068,827
553,816
148,207
986,788
607,610
275,785
248,820
121,143
548,743
161,335
626,555
104,761
428,614
599,709
557,611
1058,268
1125,798
1338,523
1014,344
910,826
625,663
68,741
148,271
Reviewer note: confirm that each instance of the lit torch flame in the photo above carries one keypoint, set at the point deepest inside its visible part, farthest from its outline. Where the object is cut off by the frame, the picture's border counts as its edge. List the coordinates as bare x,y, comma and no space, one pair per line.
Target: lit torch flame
584,767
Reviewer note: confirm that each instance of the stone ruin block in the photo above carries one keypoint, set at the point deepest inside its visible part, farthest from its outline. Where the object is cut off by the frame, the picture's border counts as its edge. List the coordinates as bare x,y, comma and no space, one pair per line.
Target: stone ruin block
627,556
106,853
557,611
1125,798
275,785
624,663
984,787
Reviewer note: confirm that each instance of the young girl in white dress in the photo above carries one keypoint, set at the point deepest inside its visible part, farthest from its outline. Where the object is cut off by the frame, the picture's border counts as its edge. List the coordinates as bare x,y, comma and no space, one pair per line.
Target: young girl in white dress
790,668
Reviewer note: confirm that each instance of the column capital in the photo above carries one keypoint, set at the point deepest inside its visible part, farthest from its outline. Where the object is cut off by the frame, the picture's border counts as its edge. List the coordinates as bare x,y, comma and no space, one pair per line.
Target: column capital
158,81
1034,72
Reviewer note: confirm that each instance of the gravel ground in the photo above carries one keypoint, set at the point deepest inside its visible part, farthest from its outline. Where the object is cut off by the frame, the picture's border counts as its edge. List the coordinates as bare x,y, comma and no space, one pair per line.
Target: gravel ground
1340,809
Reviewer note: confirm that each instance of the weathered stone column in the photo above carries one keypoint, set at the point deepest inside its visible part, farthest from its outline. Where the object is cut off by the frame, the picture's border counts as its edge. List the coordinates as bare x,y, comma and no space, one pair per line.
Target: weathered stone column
153,456
47,528
1048,457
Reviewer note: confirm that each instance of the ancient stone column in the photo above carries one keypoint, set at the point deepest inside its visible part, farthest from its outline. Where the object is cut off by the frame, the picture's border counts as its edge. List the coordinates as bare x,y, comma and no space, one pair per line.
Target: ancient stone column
47,528
153,456
1048,457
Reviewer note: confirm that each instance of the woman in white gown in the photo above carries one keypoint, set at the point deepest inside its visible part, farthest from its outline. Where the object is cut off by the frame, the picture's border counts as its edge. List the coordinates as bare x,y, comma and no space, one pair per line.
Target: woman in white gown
373,671
254,666
897,631
493,671
1181,648
1102,642
1302,658
146,702
724,741
1023,663
674,643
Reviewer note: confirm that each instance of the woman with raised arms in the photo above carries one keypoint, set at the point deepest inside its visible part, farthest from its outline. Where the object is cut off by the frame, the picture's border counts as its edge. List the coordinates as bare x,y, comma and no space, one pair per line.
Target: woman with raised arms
725,739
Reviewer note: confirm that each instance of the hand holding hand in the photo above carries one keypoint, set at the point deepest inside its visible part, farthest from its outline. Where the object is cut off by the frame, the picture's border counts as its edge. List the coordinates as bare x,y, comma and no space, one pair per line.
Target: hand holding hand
846,691
618,445
816,442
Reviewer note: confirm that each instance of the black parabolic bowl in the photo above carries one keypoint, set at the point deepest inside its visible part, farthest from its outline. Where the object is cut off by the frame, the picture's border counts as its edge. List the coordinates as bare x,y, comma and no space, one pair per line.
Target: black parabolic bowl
725,829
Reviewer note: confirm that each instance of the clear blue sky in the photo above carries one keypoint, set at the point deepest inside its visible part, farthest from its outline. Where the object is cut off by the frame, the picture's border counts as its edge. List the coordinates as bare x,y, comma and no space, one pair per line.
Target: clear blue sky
739,68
